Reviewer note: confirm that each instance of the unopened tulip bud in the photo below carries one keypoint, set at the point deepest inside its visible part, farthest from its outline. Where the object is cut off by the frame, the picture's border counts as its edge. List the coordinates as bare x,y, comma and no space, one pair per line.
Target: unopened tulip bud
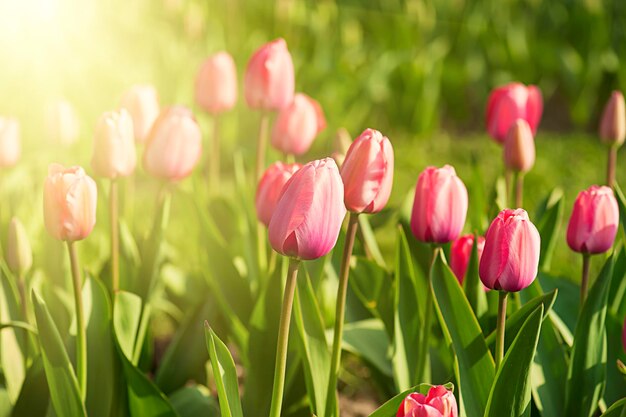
142,102
613,123
114,152
367,173
174,145
519,147
440,205
594,221
19,253
61,123
69,203
438,403
270,188
216,83
10,147
309,213
460,253
297,125
511,102
510,258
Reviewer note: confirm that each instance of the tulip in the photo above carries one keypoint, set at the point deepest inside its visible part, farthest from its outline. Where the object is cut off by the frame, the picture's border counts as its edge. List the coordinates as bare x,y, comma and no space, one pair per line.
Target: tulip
367,173
19,254
216,83
142,102
297,125
61,123
613,131
460,253
174,145
270,187
114,148
511,102
438,403
519,147
10,148
440,205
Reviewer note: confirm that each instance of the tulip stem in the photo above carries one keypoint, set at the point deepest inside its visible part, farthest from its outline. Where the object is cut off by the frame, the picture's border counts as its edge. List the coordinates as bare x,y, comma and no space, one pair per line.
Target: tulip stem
115,237
584,282
81,336
502,295
507,184
21,286
425,336
283,339
262,145
214,156
519,189
610,166
342,290
261,247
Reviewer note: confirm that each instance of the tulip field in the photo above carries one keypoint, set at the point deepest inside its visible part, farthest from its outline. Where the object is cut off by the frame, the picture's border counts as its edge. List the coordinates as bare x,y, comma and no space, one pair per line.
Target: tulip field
277,209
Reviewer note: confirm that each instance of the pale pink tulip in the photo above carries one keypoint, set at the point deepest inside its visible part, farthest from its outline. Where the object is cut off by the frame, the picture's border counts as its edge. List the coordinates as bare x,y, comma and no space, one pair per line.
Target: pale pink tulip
511,102
460,253
10,146
142,102
519,147
297,125
438,403
270,187
114,152
613,123
216,83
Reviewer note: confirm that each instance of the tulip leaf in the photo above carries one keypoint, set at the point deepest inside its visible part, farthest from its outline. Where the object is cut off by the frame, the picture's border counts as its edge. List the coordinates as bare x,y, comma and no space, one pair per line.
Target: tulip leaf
127,311
587,370
618,409
511,390
368,340
390,408
621,203
476,369
615,380
370,240
549,218
12,340
62,382
617,294
194,401
472,285
34,397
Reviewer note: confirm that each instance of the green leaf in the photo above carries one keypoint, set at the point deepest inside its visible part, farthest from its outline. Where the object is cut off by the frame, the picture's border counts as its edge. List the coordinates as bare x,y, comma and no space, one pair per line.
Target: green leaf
615,380
225,375
12,340
549,220
126,318
194,401
476,369
390,408
621,202
617,294
618,409
587,370
370,240
62,381
472,285
511,390
368,340
34,397
476,188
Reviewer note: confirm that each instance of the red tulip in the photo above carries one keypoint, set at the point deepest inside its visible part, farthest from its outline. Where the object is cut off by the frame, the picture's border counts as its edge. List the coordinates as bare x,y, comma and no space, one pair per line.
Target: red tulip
309,213
511,102
460,253
519,147
216,83
438,403
270,187
10,147
114,152
511,255
142,102
440,205
297,125
613,123
594,221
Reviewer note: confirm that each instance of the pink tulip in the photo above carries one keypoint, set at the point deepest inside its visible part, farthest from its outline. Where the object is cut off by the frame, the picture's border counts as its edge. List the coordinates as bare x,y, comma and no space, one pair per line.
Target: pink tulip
174,145
438,403
511,102
594,221
367,172
440,205
61,123
114,147
142,102
270,187
10,147
519,147
297,125
69,203
613,123
460,253
510,258
216,83
309,213
269,79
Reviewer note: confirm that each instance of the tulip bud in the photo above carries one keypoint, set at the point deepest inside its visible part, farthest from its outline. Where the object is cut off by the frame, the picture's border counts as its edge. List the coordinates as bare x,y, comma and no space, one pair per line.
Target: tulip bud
19,253
519,147
142,102
61,123
270,187
114,148
297,125
367,173
613,124
69,203
10,147
438,403
460,253
269,79
309,213
216,83
594,221
440,205
341,144
174,145
511,102
510,258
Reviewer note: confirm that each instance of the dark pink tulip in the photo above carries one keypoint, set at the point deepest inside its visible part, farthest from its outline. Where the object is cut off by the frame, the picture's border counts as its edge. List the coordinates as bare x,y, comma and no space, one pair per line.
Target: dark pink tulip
438,403
297,125
511,102
269,79
216,83
440,205
270,187
367,172
309,213
519,147
460,253
594,221
613,123
511,255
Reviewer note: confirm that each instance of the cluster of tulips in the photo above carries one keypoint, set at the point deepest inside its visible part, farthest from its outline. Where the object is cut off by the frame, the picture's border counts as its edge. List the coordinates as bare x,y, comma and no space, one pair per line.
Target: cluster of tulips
303,206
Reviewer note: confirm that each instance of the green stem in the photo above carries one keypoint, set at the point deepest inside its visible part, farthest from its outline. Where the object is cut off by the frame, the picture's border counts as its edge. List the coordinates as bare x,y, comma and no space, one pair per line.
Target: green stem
420,375
342,290
214,155
507,184
115,237
21,286
584,282
610,166
262,145
261,247
519,189
81,335
283,339
501,326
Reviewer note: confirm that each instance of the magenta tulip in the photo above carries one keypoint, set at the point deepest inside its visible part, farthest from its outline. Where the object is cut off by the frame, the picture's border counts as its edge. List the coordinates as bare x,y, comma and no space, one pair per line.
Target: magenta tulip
613,123
460,253
309,213
270,188
511,102
594,221
440,205
216,83
438,403
297,125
